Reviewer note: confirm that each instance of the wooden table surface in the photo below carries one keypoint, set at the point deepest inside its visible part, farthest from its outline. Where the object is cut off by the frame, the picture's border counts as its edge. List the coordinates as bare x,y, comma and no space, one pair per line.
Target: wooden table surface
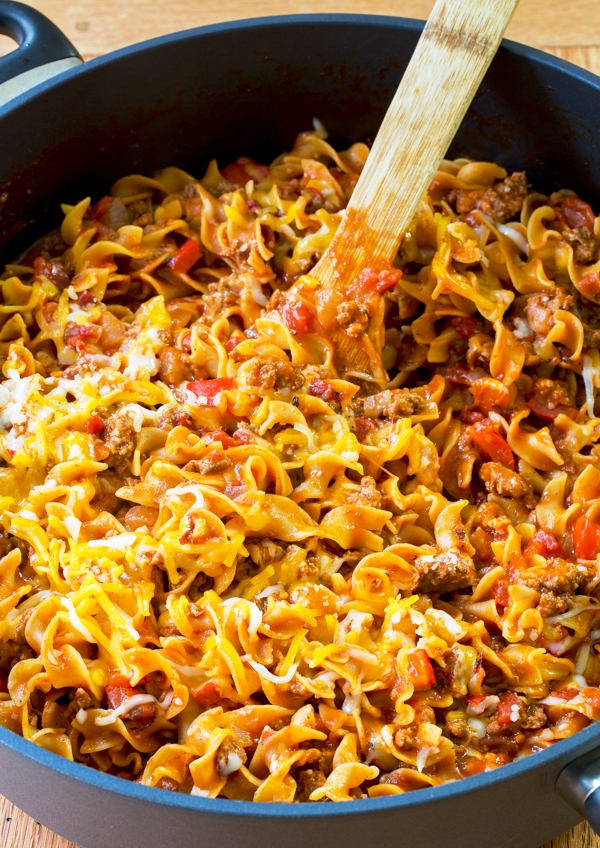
567,28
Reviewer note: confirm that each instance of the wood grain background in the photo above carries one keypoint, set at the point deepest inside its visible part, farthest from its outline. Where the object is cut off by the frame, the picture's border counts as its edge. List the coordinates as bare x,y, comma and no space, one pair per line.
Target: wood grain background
568,28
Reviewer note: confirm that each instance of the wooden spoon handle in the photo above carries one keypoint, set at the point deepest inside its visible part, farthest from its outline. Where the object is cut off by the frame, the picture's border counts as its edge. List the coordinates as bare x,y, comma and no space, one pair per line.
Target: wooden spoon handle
451,58
446,69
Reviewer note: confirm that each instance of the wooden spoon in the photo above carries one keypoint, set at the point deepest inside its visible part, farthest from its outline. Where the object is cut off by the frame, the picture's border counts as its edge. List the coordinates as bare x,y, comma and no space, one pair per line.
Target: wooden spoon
456,47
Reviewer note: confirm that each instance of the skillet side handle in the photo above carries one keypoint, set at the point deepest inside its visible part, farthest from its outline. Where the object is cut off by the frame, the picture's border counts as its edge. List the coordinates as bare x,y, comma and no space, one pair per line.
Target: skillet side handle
579,785
43,49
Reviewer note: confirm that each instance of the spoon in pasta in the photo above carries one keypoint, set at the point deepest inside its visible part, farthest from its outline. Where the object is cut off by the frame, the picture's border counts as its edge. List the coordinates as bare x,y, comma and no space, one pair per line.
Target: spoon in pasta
456,47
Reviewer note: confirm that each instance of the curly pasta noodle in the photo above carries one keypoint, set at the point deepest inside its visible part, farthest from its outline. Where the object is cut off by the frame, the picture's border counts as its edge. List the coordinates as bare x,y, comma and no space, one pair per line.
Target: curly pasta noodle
227,571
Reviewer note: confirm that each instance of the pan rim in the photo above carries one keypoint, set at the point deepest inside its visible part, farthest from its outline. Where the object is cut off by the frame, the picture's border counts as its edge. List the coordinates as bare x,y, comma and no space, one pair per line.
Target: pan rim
565,750
349,19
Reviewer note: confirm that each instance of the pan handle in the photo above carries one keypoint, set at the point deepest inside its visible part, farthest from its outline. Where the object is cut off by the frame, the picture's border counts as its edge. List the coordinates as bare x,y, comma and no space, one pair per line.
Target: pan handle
43,50
579,785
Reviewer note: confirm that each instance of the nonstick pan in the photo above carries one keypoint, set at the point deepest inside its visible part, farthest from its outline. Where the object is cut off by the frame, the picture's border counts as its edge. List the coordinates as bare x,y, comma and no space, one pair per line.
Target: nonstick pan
68,130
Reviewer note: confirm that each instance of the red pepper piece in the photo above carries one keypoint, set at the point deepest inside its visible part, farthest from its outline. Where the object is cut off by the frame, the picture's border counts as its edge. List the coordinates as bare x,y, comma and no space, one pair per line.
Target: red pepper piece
220,436
86,298
586,538
419,669
296,316
492,443
322,389
77,336
232,343
207,390
236,174
244,169
592,696
243,437
589,286
256,171
364,426
474,700
543,543
567,694
187,255
505,708
207,694
370,280
500,593
118,689
94,426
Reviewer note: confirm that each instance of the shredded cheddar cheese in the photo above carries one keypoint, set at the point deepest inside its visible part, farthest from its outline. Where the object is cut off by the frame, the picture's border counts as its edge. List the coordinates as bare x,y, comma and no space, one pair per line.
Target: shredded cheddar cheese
229,569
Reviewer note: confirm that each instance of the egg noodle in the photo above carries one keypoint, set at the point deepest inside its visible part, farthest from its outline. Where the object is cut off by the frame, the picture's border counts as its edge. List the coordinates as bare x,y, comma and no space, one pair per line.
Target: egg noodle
229,568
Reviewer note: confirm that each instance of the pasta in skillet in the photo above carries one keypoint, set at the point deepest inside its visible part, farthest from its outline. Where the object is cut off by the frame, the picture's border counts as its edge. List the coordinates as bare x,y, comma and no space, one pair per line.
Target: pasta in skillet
228,571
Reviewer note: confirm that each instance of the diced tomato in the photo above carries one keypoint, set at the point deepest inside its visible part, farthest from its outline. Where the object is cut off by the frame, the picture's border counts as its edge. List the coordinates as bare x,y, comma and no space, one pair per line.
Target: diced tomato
586,538
474,700
471,766
256,171
364,426
100,208
220,436
549,413
86,298
589,286
592,696
566,694
207,694
244,169
78,336
207,390
187,255
420,670
322,389
578,213
492,443
296,316
118,689
183,419
243,437
370,280
232,343
500,593
505,707
236,174
543,543
94,425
